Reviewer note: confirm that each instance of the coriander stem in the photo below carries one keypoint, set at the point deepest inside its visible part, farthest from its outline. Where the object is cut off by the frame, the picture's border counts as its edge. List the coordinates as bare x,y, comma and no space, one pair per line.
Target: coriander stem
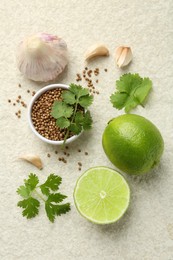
65,138
73,117
75,109
38,194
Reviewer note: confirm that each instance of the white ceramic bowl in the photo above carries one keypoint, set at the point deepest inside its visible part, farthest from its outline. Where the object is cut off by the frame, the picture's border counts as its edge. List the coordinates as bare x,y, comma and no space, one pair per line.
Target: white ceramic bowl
35,97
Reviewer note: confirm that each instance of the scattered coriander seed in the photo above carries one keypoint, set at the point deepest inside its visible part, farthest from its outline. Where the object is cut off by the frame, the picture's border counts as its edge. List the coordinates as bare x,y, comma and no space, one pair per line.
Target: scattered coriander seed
68,154
17,100
28,91
79,169
89,73
33,93
78,77
79,150
9,100
48,155
59,159
65,153
97,81
19,85
105,70
86,68
86,153
79,163
14,104
19,97
56,152
66,147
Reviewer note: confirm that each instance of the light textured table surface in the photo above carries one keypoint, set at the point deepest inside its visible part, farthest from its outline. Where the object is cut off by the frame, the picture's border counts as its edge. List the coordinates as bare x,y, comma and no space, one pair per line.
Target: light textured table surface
146,230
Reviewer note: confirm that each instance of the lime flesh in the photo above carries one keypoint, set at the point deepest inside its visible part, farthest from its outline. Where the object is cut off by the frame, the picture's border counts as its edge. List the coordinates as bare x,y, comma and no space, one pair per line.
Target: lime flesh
101,195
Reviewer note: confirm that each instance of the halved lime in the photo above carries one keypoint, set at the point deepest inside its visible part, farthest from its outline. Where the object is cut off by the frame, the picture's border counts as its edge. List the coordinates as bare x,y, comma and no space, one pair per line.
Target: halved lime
101,195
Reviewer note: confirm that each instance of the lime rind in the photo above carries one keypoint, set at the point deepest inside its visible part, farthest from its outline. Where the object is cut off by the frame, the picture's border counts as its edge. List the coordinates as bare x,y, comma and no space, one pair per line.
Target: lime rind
92,197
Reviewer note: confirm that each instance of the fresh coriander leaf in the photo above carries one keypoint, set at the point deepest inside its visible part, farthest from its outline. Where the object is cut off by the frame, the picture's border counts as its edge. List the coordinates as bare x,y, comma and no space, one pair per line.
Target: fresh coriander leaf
142,92
128,82
78,90
119,99
23,191
52,183
131,103
75,128
87,122
61,109
63,122
45,190
83,92
79,118
74,88
62,209
50,211
53,209
86,101
68,97
30,207
132,90
32,181
66,111
56,197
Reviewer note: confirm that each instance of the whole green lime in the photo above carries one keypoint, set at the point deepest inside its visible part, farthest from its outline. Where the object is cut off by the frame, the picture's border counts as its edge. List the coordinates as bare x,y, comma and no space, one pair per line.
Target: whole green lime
132,143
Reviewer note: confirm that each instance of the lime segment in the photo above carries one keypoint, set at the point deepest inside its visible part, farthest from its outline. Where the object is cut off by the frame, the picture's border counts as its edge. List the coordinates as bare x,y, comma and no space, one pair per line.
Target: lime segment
102,195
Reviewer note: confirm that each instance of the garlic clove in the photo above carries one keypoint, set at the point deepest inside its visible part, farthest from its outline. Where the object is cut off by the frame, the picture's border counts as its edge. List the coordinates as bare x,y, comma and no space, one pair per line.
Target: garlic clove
96,50
33,159
123,56
42,57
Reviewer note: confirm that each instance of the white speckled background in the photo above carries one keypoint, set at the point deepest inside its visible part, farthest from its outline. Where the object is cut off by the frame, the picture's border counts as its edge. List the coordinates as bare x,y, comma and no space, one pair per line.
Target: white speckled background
146,231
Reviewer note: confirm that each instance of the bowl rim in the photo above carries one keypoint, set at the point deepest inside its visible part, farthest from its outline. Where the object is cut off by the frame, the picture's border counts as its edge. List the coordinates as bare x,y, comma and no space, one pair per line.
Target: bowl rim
35,97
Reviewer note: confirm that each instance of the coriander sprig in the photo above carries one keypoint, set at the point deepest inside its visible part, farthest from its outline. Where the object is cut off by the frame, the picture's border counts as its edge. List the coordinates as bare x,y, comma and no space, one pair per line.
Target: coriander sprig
30,194
132,90
70,113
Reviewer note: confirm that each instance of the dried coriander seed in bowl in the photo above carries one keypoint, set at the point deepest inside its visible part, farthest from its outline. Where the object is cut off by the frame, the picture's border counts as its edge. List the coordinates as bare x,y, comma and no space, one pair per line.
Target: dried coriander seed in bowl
57,113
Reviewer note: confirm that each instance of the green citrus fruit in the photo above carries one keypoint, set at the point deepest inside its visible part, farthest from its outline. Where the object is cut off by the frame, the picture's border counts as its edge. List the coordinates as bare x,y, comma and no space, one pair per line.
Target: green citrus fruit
132,143
101,195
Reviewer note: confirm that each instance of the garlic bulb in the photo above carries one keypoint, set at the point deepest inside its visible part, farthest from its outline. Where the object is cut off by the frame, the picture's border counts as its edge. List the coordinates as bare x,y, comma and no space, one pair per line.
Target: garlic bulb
123,56
42,57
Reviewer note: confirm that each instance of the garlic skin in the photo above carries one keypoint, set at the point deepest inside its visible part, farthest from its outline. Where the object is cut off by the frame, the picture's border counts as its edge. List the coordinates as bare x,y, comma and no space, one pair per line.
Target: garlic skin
123,56
96,50
33,159
42,57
